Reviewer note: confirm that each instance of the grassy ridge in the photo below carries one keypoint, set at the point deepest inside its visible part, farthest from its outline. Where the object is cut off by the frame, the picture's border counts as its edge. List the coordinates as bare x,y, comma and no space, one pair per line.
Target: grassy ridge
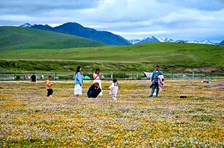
27,38
169,53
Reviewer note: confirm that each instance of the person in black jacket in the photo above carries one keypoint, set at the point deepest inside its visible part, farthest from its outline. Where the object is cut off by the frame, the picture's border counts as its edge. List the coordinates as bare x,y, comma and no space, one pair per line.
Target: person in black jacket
94,90
33,78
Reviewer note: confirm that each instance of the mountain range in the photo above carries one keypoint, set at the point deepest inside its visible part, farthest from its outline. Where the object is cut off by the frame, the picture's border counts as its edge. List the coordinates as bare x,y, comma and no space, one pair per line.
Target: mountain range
79,30
157,39
106,37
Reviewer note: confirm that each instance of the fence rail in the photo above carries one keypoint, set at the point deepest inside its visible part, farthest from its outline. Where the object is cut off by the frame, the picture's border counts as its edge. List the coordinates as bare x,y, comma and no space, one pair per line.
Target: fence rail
107,76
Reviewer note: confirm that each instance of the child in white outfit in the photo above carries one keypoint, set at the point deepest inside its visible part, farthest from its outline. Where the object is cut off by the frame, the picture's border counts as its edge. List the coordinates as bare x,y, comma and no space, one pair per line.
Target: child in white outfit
114,89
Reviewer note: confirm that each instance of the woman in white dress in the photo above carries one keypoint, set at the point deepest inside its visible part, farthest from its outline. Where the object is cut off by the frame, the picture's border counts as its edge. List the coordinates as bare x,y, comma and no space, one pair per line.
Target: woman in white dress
97,78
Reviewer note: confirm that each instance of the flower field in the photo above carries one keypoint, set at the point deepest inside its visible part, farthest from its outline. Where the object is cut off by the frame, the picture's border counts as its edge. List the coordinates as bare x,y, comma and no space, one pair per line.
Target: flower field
29,119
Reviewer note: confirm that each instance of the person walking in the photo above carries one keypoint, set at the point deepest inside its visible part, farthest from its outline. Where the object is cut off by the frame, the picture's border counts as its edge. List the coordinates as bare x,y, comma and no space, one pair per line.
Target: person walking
154,81
49,86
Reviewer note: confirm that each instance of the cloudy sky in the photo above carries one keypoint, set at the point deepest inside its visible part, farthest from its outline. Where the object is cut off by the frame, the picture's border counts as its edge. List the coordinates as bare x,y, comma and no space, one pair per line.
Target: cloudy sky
132,19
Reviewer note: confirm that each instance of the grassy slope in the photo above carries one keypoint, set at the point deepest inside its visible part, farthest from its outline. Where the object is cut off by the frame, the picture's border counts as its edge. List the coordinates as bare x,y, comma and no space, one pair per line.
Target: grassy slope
27,38
161,53
115,58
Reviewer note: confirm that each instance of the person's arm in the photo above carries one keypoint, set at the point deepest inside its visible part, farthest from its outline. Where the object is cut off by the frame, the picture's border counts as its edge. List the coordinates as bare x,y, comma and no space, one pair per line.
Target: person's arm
48,83
80,79
111,86
99,75
152,77
95,76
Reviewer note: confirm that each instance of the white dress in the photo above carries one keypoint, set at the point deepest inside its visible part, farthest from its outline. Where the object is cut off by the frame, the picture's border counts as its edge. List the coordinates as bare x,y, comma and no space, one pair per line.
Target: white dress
97,79
78,89
113,91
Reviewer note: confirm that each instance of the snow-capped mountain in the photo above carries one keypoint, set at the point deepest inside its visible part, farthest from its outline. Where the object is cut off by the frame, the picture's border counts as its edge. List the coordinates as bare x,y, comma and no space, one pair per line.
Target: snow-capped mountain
167,40
149,40
201,42
134,41
26,25
159,39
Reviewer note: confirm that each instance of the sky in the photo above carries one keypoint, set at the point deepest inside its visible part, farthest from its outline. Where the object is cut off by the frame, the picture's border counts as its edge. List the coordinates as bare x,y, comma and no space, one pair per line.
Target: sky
132,19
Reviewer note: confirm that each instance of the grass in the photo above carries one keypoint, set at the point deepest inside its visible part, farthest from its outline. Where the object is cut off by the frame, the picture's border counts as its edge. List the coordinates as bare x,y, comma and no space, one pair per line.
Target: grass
29,119
118,58
16,38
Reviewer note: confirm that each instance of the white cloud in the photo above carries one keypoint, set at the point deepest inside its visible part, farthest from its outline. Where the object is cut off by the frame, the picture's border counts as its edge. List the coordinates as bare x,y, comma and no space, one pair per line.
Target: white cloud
190,19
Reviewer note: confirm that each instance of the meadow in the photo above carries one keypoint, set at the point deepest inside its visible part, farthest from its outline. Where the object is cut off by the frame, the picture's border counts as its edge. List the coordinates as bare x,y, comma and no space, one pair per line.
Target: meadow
30,119
133,58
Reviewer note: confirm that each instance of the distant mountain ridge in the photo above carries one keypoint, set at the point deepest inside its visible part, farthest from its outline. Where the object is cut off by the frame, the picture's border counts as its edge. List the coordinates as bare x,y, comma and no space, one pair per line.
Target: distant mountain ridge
79,30
221,43
154,39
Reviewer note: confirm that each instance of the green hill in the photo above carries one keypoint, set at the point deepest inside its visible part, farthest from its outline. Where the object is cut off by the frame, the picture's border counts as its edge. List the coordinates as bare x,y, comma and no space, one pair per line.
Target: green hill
170,56
27,38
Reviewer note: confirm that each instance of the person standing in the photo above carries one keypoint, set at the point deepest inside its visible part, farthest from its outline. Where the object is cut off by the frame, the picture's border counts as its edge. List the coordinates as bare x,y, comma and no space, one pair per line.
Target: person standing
78,82
97,78
33,78
49,87
114,89
154,81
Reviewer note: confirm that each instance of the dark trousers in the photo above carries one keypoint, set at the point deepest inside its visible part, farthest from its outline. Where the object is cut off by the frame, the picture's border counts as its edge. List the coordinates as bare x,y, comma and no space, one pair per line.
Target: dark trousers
49,92
155,86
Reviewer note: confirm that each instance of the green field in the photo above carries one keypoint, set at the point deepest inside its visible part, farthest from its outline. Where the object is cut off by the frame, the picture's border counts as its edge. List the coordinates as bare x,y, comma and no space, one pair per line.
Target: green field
170,56
30,119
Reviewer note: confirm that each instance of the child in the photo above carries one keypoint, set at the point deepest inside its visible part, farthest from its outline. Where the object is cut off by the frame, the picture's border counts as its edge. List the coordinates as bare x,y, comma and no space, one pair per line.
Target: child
114,89
94,90
49,87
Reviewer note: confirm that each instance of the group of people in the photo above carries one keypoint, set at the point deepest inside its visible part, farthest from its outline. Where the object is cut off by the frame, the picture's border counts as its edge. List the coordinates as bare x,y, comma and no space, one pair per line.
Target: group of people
96,88
157,82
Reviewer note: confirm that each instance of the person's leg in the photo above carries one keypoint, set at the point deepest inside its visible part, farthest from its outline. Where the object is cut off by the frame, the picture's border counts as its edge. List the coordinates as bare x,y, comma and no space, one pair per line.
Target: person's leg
153,89
91,94
157,89
114,97
48,92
